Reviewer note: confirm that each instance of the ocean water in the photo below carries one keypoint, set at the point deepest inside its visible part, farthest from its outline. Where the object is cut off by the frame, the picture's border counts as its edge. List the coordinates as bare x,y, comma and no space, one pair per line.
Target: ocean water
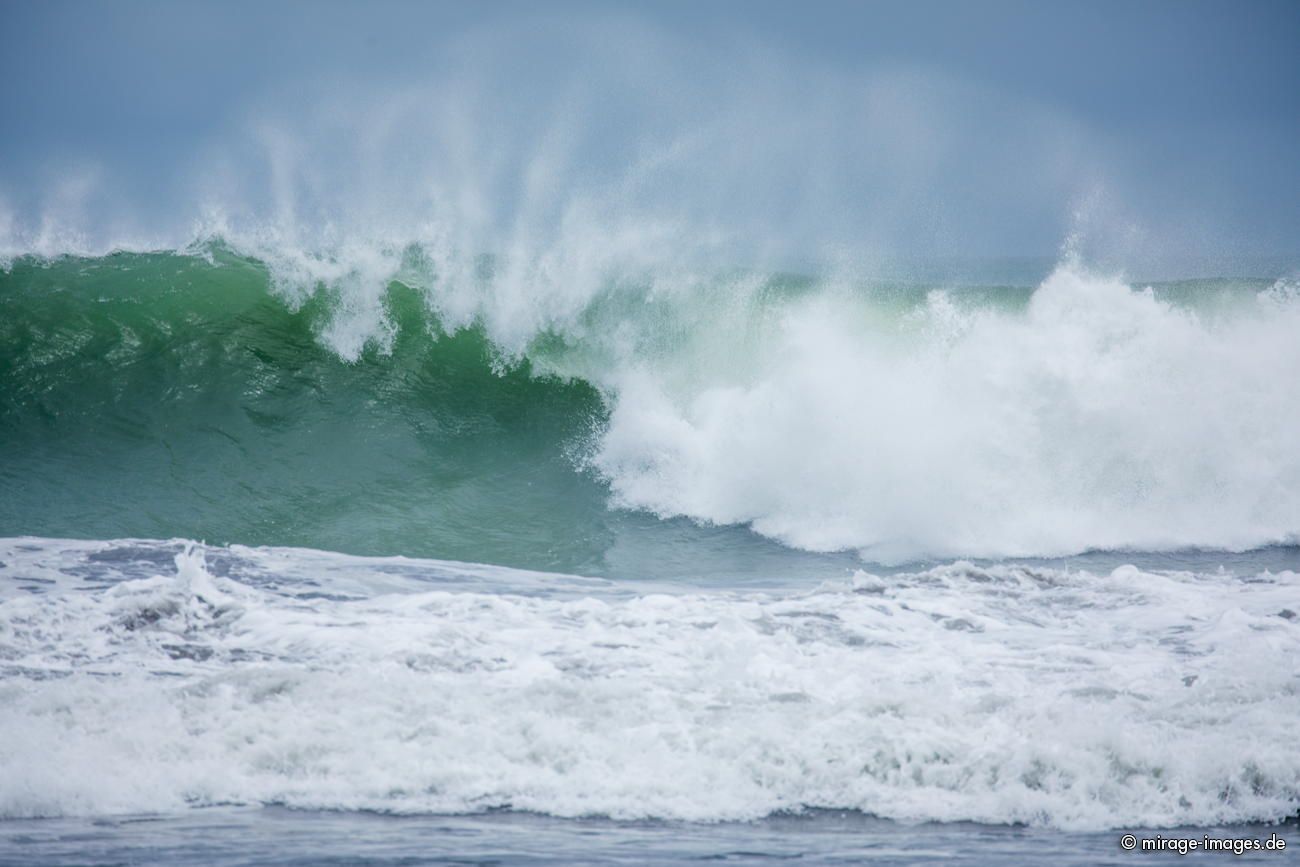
383,553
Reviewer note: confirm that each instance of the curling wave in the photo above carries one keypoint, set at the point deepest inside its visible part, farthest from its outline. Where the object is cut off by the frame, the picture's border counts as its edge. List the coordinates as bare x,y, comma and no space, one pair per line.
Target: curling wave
405,398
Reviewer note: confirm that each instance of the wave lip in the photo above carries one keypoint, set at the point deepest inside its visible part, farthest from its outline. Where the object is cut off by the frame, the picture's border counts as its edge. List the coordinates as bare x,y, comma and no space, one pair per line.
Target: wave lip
996,694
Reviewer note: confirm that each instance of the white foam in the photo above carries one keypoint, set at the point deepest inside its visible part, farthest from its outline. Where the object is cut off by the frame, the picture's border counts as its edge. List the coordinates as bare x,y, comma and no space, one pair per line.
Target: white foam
1098,417
1000,694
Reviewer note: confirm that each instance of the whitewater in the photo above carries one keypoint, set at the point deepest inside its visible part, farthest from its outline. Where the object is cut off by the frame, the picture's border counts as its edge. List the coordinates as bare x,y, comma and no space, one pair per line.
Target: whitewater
652,544
313,680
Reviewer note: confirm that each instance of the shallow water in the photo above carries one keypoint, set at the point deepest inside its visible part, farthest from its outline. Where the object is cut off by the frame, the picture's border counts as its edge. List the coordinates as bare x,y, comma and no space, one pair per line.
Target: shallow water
288,838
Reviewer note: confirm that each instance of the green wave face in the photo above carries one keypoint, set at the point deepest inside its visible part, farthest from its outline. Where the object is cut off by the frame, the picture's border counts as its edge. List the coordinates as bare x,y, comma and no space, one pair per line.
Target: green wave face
165,395
639,423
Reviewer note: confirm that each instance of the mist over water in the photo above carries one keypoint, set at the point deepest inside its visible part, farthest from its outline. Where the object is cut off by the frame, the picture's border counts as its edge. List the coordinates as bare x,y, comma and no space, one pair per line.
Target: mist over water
567,146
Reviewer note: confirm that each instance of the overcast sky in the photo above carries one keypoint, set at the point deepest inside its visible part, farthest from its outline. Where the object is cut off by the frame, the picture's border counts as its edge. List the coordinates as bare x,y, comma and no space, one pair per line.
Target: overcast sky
966,128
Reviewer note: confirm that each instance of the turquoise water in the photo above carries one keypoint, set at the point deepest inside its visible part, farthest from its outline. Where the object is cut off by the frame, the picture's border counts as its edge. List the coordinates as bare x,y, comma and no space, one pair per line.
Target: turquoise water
198,396
190,392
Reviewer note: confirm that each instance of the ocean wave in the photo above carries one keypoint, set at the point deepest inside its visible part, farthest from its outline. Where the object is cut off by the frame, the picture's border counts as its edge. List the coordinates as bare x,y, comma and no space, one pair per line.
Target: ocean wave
998,694
899,419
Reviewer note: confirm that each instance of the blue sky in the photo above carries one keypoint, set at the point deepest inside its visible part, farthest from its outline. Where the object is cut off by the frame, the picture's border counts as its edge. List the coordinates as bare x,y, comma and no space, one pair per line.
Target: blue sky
985,128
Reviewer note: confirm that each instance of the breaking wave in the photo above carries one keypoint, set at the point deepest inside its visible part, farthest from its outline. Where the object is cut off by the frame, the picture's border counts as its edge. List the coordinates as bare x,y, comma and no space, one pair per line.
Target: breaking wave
904,419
